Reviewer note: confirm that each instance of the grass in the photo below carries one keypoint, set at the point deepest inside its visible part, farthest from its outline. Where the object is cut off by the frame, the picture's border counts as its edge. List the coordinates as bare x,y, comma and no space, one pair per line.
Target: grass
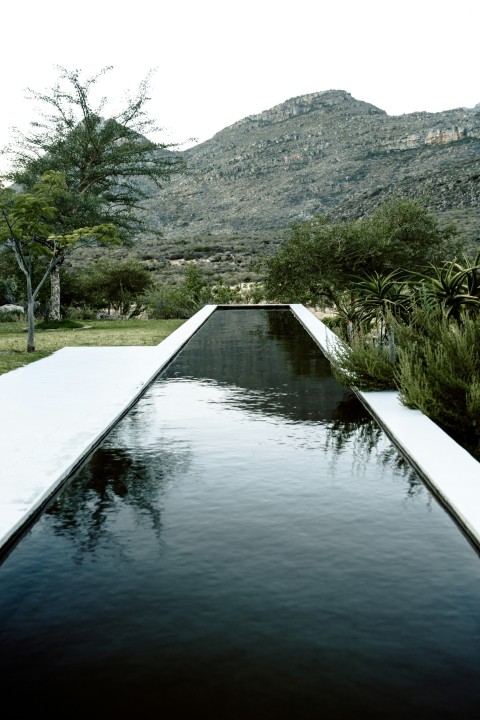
13,338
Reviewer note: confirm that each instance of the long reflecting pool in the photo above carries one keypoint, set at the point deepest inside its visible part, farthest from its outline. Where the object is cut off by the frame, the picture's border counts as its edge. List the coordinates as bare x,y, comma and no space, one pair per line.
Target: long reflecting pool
246,543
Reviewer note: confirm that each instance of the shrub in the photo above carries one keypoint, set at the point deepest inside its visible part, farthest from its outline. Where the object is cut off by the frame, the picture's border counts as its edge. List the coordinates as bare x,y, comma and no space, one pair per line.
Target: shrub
8,317
80,312
182,301
170,302
58,325
337,324
364,364
434,365
438,372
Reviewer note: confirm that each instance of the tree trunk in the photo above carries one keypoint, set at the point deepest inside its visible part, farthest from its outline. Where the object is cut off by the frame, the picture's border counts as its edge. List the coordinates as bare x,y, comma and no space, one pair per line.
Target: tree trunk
54,311
30,317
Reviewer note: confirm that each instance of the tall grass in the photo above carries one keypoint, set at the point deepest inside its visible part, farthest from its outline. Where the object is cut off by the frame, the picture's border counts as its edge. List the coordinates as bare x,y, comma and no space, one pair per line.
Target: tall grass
364,364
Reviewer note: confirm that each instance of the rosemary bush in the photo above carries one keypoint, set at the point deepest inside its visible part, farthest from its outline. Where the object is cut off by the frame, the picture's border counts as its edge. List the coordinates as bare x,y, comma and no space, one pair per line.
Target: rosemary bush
438,372
365,364
431,359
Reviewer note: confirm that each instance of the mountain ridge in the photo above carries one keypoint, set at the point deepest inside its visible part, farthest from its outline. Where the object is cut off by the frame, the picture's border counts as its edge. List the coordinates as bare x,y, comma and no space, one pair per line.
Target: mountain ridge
315,154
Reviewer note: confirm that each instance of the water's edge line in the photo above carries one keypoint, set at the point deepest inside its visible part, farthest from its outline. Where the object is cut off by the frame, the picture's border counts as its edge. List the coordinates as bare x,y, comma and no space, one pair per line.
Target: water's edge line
450,472
168,348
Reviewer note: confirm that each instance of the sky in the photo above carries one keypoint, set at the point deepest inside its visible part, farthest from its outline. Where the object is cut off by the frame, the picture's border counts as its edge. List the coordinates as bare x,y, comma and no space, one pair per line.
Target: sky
214,62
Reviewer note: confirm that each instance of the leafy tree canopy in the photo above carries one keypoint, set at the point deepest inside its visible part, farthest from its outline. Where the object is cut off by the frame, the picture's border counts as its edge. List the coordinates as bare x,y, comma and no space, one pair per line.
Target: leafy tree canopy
320,259
26,222
116,284
108,164
102,157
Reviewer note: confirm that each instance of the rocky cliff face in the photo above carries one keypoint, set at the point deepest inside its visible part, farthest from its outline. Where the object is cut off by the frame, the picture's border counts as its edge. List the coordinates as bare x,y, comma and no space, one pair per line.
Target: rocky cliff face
325,152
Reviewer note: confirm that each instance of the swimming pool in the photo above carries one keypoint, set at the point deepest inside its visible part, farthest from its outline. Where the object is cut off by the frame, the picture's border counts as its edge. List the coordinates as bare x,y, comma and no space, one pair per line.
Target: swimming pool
245,542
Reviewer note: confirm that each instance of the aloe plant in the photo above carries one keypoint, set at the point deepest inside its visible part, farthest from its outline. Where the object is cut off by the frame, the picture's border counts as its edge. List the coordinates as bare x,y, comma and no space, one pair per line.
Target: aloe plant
380,296
455,287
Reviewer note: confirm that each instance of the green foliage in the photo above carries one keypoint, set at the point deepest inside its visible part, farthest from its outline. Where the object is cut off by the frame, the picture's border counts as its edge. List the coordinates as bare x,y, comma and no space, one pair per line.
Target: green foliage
8,290
438,372
26,221
101,157
79,312
117,285
378,296
337,324
455,287
301,270
9,317
252,292
432,358
184,300
364,364
320,259
13,280
102,161
410,236
194,284
170,301
29,215
195,291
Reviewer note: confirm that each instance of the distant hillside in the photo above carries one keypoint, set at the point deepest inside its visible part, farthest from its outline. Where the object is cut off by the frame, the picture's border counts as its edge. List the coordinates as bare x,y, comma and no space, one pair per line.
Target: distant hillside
316,154
320,153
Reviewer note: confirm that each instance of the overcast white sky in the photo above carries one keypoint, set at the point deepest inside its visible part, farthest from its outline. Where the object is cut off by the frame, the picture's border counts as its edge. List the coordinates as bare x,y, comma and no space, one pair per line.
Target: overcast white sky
218,62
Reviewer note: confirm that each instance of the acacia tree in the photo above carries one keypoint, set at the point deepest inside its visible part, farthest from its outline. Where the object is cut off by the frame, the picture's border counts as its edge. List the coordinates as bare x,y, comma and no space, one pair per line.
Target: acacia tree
120,285
26,224
109,164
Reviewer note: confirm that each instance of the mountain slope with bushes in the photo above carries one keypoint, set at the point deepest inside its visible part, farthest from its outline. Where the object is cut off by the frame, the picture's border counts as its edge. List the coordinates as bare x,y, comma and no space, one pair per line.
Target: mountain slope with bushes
322,153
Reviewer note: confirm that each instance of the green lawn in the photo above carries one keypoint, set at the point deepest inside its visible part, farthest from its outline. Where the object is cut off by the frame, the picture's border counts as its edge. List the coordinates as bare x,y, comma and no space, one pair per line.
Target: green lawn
13,338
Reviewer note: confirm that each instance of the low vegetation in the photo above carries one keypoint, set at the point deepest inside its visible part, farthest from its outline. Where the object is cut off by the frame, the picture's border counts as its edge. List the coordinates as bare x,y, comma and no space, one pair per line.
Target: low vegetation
427,347
195,291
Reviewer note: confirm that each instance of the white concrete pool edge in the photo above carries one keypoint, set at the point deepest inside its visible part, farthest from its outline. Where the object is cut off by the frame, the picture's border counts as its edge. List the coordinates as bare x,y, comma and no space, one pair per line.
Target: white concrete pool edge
450,471
55,411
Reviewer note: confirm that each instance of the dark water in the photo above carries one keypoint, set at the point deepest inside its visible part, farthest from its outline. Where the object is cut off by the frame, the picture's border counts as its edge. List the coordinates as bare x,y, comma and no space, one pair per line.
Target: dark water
245,544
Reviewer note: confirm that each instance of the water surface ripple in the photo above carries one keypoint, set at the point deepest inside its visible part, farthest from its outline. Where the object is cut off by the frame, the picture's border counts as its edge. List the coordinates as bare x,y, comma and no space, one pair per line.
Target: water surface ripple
246,543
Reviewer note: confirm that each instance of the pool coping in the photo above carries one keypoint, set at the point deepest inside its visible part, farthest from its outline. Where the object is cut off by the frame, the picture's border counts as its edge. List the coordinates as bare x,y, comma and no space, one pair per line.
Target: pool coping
451,473
54,412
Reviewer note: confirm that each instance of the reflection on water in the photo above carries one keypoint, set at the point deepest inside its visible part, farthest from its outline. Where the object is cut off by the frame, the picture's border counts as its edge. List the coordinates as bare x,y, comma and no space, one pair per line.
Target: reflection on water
277,368
116,476
245,543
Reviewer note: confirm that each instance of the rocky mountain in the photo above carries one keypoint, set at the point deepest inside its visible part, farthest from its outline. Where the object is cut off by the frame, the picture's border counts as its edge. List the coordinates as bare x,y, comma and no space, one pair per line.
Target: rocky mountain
322,153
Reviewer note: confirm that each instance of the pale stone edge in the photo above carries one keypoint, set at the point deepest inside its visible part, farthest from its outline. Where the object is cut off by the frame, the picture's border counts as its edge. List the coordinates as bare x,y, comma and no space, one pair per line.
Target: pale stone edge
449,470
156,361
